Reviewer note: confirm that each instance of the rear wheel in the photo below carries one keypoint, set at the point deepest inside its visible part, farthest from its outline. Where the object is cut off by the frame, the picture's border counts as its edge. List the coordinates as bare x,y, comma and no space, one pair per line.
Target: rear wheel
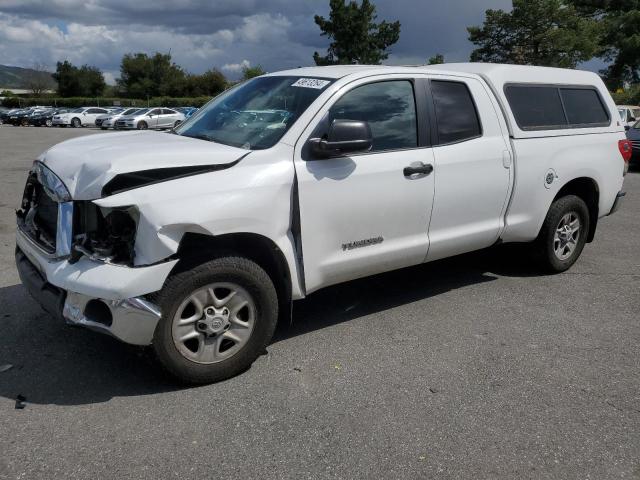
563,234
142,125
216,319
75,122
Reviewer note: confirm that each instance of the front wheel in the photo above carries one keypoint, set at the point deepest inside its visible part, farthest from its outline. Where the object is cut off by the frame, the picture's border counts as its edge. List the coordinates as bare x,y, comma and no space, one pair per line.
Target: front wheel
48,122
563,234
142,125
216,319
75,123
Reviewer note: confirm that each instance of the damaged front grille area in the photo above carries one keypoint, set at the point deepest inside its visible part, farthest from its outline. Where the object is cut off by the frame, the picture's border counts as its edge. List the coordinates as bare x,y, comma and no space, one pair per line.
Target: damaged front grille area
62,228
38,215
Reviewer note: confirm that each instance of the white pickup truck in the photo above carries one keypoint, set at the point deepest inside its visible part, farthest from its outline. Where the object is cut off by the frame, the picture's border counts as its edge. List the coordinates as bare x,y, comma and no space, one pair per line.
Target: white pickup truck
198,240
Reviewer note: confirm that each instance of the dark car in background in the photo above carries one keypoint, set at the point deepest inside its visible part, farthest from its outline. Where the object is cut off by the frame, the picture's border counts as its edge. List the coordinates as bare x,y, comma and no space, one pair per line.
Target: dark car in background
22,117
633,134
6,114
45,118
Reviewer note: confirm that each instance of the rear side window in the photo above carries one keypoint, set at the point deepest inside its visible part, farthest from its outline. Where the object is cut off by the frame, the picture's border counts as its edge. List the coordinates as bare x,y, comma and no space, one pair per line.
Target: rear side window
583,107
537,108
456,113
389,108
552,107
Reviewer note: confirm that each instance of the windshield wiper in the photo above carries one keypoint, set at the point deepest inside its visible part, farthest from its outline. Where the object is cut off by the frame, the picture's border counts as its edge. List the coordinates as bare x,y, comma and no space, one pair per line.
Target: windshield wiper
200,136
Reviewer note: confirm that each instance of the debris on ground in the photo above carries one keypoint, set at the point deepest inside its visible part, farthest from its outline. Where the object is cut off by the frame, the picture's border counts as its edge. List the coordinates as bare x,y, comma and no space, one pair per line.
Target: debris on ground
21,402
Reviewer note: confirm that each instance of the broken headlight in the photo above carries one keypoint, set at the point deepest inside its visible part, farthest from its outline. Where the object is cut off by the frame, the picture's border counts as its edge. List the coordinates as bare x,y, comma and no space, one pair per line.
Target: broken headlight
105,234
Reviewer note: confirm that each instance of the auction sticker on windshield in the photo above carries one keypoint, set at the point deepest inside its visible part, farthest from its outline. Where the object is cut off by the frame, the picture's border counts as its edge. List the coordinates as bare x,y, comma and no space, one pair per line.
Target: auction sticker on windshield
311,83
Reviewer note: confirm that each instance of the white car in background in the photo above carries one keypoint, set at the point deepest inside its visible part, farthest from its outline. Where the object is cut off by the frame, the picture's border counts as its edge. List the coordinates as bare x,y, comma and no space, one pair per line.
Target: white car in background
108,120
80,117
629,114
150,118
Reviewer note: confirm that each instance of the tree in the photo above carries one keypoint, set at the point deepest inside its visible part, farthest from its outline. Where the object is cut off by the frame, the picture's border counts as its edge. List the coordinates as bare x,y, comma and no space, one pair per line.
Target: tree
355,37
39,79
86,81
91,81
620,21
142,76
209,84
250,72
68,79
536,32
437,59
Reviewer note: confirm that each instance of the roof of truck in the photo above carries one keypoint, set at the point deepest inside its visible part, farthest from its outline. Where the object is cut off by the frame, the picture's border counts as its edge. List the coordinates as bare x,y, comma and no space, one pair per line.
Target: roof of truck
497,74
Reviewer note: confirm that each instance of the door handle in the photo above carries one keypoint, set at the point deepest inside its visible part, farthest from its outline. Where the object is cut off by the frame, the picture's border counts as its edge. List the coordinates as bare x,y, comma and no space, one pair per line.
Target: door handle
418,168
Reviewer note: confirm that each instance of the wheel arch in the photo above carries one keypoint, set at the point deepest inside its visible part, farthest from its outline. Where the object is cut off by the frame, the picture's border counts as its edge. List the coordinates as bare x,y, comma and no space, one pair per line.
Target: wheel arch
587,189
197,248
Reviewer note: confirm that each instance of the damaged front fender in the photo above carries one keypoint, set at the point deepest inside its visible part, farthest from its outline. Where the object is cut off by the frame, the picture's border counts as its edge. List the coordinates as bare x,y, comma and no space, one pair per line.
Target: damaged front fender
252,197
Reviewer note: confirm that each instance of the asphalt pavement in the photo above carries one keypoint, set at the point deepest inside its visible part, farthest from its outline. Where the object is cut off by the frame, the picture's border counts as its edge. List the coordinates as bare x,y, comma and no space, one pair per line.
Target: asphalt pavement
473,367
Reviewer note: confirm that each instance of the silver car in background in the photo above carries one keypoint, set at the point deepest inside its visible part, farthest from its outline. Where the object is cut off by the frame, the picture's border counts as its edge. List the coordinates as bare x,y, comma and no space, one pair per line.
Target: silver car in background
109,120
153,118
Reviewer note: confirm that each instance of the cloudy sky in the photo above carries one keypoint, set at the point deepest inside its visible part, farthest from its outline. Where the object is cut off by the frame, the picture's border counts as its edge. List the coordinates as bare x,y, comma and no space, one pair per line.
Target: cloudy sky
224,34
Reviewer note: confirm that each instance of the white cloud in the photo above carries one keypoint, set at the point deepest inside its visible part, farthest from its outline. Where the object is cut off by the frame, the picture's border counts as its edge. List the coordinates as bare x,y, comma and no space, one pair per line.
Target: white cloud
236,67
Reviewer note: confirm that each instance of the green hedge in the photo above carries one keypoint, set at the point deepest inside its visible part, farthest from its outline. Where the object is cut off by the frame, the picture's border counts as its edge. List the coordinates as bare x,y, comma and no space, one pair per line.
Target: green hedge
631,96
14,102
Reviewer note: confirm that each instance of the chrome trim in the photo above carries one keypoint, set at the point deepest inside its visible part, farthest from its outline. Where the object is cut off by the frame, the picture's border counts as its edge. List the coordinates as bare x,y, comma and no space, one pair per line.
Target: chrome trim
64,229
134,319
24,237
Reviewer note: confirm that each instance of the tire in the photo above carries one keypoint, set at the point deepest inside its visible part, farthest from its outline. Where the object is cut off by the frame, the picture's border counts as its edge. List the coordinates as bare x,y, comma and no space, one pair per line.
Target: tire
548,247
178,122
103,128
202,358
75,123
142,125
48,123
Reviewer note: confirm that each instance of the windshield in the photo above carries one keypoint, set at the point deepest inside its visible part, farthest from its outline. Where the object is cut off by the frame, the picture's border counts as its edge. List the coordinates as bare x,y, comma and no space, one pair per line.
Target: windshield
77,110
130,111
256,114
141,111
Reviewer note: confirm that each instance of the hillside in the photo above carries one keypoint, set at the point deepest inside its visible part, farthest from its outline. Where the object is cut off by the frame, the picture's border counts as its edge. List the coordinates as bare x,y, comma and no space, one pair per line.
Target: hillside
17,77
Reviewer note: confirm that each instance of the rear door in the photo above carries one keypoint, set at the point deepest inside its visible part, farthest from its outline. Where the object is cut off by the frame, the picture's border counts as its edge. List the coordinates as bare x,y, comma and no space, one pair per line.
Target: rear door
473,167
360,214
169,117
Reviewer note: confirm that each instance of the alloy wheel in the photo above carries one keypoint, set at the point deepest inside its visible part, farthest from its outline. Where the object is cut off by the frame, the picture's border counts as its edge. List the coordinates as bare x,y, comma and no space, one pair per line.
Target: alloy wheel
214,322
567,234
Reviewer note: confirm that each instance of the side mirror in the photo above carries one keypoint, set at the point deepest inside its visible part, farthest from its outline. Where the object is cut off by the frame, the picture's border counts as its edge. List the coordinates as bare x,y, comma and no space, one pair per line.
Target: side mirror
627,127
345,136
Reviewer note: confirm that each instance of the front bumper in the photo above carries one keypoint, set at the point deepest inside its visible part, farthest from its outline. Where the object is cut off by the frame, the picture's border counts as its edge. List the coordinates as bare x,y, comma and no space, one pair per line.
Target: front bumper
60,121
93,294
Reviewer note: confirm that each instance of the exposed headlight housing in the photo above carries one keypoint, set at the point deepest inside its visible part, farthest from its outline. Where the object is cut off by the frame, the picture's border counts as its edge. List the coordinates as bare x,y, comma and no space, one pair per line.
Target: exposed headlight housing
105,234
51,183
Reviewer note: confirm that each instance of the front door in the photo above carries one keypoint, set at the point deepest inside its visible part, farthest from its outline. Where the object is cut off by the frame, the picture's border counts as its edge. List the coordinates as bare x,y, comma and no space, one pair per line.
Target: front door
153,117
360,214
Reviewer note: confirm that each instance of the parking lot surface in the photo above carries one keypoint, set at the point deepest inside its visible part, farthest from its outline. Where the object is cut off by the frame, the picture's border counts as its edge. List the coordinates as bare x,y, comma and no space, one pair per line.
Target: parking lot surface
473,367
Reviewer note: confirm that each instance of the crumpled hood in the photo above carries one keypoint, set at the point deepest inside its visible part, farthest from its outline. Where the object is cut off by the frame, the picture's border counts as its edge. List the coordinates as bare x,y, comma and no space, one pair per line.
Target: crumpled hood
86,164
